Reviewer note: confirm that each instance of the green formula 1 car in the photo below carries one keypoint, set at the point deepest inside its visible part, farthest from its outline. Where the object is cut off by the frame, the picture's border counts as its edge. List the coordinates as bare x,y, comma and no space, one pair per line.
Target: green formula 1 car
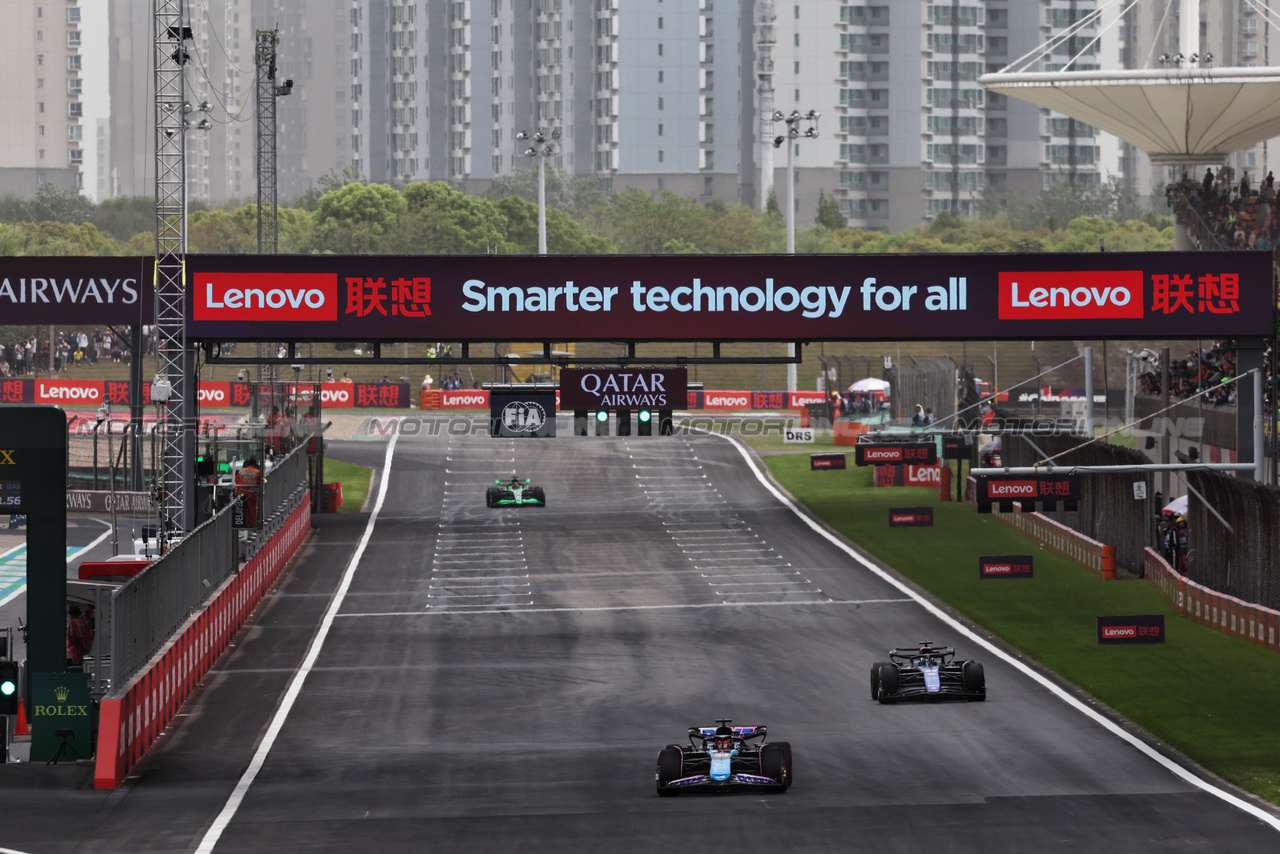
515,493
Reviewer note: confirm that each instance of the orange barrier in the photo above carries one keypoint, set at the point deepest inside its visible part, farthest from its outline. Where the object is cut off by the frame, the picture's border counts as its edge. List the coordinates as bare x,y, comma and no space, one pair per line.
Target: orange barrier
429,399
131,722
1067,542
1244,620
847,432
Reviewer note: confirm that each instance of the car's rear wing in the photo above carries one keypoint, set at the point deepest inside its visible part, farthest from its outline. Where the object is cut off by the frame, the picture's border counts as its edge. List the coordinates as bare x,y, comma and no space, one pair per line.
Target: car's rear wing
907,653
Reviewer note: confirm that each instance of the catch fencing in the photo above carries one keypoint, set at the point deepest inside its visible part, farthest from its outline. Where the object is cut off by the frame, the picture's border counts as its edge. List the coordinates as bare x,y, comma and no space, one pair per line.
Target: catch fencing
1244,562
1108,511
932,386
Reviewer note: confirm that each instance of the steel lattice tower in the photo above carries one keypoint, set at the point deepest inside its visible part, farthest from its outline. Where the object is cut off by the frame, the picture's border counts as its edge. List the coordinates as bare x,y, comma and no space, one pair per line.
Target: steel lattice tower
268,213
176,419
766,41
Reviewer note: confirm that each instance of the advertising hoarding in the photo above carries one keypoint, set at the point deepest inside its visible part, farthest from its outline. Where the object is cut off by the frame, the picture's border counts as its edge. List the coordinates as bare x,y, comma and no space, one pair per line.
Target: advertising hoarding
729,298
623,388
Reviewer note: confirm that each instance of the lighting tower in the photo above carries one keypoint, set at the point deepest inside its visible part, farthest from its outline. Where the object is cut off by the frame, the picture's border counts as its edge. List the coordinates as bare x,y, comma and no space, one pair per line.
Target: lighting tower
267,92
766,35
541,153
173,388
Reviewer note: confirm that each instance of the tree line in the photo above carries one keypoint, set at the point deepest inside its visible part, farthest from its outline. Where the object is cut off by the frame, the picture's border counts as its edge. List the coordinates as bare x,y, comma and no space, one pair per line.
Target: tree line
344,214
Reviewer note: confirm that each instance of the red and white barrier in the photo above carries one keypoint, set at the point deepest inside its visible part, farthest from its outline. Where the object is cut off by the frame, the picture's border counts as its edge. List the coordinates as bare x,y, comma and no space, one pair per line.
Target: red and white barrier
129,725
1253,623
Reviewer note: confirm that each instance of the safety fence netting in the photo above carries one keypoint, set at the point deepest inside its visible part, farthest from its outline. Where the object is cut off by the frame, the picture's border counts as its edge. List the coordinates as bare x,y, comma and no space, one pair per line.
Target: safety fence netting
931,386
1243,561
1109,510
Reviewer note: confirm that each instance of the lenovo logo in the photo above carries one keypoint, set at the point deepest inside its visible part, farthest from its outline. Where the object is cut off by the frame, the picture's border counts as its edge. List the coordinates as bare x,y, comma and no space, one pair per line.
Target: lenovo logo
1109,632
463,399
923,476
712,400
212,395
892,454
1075,295
274,296
68,391
1011,489
338,395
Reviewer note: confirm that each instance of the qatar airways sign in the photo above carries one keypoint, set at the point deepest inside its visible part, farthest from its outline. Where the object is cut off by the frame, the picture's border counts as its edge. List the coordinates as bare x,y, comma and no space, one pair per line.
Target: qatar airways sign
718,298
75,291
623,388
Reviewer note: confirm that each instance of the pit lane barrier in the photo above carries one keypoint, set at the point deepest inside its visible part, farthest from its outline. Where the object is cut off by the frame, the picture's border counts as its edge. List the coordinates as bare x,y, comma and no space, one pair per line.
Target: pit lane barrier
133,717
1071,544
1255,624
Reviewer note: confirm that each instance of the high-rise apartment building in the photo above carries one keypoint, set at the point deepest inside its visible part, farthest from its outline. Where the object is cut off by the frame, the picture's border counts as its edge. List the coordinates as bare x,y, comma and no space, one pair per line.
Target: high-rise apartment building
656,94
40,63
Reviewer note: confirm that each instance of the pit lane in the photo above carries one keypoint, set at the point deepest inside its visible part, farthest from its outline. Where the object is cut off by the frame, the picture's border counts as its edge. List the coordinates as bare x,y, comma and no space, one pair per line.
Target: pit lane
504,678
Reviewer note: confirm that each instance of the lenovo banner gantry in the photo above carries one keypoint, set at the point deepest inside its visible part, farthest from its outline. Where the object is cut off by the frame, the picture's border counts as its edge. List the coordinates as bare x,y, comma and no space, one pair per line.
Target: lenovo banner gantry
729,298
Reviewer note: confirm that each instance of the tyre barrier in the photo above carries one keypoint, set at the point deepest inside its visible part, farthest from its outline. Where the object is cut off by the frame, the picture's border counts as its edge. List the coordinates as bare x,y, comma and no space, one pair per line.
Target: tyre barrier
1255,624
132,718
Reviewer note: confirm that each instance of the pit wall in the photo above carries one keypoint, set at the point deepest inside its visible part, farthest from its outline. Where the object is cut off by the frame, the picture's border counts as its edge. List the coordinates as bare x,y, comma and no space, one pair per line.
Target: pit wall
1229,615
129,725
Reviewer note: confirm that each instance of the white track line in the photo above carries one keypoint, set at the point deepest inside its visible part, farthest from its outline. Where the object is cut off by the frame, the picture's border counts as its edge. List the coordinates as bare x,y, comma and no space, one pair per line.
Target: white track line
220,823
20,590
1106,723
685,607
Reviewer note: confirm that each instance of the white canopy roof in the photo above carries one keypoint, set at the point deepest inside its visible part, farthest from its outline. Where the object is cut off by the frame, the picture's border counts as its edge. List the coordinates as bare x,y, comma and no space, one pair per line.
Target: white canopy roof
1179,116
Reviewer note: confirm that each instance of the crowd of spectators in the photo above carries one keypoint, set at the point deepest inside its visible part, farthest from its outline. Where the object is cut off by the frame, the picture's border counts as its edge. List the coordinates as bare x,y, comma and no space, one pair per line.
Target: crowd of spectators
71,349
1199,370
856,403
1229,215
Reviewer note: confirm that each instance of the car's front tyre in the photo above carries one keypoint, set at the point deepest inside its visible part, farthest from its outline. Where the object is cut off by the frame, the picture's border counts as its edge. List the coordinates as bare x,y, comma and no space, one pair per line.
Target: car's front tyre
670,767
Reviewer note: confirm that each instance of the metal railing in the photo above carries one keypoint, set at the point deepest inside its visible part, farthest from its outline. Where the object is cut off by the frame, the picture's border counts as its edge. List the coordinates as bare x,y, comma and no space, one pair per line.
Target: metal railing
153,605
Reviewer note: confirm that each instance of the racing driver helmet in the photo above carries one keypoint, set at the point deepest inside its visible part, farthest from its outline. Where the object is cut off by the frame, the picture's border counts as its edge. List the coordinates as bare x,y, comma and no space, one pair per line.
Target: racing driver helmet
724,738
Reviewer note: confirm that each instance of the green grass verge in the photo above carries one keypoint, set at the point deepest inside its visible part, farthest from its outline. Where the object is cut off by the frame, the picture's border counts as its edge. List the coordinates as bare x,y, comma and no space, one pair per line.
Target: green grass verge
355,482
1209,695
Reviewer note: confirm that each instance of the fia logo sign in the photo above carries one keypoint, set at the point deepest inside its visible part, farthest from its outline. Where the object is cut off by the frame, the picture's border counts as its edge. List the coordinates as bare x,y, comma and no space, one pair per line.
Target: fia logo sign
523,416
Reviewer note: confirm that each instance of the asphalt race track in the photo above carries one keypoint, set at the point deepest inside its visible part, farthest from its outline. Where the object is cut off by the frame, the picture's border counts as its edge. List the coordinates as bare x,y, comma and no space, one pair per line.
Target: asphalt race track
498,680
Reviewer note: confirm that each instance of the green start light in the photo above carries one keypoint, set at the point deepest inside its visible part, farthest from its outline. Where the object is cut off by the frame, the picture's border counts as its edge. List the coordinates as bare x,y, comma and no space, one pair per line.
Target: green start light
8,688
602,415
644,415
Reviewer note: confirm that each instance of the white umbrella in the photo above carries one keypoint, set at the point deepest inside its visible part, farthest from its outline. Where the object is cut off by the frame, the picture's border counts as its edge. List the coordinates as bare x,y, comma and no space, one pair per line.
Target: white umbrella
1177,507
870,384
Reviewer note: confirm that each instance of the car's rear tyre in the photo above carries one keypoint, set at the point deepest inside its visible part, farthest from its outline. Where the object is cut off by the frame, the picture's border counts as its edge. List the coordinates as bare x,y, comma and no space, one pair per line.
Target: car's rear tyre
975,680
670,767
537,494
775,763
890,680
875,679
491,496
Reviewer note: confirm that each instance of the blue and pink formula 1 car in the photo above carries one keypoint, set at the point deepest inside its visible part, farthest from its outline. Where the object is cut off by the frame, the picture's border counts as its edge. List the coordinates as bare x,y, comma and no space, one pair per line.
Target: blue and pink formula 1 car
724,757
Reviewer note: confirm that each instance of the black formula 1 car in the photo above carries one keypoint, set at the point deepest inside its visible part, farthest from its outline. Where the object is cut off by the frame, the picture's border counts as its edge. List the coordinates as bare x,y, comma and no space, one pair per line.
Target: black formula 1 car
515,493
926,672
723,757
